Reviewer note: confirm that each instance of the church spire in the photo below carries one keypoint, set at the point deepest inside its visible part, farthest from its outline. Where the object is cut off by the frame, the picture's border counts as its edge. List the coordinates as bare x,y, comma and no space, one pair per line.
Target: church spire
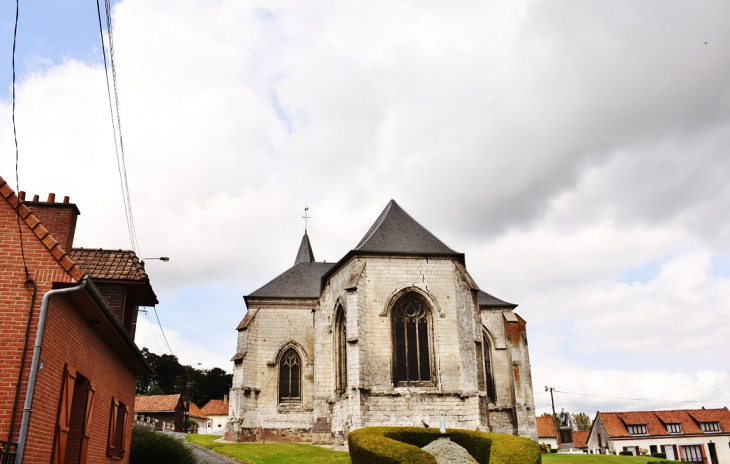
305,254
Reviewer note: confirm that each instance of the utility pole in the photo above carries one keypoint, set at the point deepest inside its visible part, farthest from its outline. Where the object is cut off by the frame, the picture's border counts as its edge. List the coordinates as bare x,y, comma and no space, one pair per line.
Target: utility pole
186,428
550,389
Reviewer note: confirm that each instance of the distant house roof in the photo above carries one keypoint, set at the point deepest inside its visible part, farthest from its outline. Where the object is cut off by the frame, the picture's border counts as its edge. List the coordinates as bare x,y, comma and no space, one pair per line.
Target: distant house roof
486,300
215,408
395,231
580,438
616,423
196,412
546,427
156,403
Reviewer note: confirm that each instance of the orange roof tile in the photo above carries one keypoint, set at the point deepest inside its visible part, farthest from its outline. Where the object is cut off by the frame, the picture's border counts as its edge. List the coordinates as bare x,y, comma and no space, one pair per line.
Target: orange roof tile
196,412
580,438
546,427
215,408
156,403
616,422
41,232
110,264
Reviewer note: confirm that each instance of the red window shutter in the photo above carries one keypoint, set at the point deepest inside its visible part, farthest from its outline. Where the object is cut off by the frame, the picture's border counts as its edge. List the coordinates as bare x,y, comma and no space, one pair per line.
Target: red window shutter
124,420
110,449
64,415
87,423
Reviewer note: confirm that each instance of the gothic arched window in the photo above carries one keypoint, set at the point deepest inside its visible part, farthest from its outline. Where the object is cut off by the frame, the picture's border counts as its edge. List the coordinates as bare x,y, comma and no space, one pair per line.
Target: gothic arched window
488,373
290,377
411,340
341,349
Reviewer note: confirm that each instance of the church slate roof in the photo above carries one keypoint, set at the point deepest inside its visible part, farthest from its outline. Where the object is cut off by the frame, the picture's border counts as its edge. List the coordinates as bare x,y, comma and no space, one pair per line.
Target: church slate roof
300,281
486,300
305,253
395,231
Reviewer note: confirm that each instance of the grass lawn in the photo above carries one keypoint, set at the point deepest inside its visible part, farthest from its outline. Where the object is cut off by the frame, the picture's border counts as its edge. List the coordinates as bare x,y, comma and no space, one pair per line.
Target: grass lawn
271,453
595,459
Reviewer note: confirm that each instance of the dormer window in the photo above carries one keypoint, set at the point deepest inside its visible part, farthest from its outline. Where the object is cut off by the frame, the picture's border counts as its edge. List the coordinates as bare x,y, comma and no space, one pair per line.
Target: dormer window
637,429
674,428
710,426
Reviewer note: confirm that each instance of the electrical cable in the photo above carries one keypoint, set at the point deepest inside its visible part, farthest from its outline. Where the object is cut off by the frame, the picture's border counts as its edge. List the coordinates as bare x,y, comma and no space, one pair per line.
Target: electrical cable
163,332
107,8
152,327
640,399
15,138
121,165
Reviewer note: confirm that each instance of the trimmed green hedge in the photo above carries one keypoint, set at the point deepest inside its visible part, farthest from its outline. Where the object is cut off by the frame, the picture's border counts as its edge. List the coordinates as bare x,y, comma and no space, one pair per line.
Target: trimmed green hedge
150,447
510,449
396,445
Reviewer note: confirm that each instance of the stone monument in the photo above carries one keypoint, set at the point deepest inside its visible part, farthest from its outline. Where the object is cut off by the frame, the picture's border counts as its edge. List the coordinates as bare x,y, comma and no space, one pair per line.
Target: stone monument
566,434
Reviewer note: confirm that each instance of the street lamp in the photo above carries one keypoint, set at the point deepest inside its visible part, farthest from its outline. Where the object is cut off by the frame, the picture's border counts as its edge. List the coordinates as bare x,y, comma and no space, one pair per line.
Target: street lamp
164,259
186,428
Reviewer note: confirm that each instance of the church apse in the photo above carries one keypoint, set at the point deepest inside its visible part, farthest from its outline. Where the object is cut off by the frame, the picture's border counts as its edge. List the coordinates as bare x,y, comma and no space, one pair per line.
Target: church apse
400,335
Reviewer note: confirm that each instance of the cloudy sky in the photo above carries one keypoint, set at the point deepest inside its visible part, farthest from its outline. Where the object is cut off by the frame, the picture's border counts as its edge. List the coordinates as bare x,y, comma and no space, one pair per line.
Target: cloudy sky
576,151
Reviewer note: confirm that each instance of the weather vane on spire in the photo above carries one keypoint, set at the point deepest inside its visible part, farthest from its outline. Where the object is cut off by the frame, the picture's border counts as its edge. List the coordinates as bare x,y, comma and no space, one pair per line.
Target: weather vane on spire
305,217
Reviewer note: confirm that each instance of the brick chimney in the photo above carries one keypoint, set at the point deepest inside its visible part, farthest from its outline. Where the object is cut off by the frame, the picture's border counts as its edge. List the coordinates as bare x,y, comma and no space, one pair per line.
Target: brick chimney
58,218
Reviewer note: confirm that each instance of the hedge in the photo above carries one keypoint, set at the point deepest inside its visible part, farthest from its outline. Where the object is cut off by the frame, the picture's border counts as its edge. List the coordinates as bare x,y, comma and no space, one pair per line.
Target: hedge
396,445
150,447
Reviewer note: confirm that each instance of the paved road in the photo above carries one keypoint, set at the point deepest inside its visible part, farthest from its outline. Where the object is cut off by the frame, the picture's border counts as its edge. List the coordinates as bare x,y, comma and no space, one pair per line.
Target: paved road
205,456
210,457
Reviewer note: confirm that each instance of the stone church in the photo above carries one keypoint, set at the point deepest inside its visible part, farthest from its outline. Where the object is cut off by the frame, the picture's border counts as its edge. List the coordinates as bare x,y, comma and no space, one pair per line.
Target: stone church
395,333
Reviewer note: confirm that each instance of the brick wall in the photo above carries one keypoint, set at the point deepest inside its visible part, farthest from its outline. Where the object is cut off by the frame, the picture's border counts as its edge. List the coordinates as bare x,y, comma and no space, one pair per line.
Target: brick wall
58,218
68,339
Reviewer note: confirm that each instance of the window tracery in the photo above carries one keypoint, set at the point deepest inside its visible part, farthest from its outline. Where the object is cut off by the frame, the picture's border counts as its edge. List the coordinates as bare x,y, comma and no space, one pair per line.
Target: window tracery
411,340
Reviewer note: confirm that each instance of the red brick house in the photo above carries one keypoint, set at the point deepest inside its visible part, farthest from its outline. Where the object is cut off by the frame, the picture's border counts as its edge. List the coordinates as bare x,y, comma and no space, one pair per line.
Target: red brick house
69,359
690,435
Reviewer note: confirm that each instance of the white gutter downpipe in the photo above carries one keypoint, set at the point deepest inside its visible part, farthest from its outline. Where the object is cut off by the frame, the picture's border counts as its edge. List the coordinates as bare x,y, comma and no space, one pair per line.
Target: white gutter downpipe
34,365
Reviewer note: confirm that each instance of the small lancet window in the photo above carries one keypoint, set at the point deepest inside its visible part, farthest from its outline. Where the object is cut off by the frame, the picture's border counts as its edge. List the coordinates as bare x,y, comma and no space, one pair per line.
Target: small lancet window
488,370
411,340
341,349
290,371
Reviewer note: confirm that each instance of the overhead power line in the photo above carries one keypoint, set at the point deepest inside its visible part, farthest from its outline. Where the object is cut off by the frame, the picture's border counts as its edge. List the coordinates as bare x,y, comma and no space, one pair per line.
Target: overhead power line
118,147
641,399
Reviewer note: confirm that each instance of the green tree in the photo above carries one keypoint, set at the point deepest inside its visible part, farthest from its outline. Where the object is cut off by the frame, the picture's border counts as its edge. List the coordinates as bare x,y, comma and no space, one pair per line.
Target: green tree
581,421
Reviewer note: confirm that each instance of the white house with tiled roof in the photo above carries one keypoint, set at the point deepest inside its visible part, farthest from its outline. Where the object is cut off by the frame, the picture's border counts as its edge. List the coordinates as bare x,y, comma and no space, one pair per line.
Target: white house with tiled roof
395,333
691,435
217,412
546,432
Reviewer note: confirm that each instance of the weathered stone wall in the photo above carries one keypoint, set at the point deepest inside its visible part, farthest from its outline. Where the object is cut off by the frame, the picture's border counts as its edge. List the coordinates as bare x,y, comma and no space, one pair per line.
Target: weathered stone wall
367,288
371,397
277,325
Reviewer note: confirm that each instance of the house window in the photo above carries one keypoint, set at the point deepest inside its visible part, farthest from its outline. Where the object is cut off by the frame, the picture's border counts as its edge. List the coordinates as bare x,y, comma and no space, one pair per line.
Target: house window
71,437
290,377
411,347
710,426
116,443
674,428
693,453
637,429
341,347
